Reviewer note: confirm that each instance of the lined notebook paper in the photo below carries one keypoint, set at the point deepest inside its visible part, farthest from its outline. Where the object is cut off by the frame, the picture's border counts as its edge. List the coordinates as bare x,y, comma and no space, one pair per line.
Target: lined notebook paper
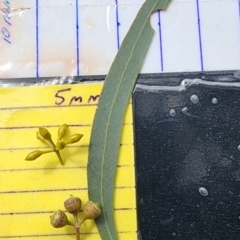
41,38
31,191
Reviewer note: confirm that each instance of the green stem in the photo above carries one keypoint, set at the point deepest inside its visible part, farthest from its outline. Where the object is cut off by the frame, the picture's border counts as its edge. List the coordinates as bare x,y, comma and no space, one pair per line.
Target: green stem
77,226
52,144
44,141
77,234
75,218
47,151
59,156
71,224
80,222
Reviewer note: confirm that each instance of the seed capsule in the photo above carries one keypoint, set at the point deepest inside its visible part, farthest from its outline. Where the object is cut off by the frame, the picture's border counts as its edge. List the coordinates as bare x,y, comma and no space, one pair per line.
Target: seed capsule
91,210
45,133
60,145
74,138
62,131
73,204
34,155
59,219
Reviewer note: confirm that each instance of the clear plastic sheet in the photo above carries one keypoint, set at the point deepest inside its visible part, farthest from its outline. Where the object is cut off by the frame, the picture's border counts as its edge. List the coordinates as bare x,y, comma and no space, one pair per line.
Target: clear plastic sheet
70,38
48,81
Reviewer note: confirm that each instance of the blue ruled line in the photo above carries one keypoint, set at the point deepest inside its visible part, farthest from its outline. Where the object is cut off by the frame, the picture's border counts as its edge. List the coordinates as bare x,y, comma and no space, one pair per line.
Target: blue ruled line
199,35
37,43
239,6
160,40
118,25
77,38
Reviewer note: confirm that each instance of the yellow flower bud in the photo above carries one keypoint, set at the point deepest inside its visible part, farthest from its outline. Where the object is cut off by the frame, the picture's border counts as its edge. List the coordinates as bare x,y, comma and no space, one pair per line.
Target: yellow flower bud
45,133
91,210
62,131
34,155
59,219
60,145
74,138
73,204
40,137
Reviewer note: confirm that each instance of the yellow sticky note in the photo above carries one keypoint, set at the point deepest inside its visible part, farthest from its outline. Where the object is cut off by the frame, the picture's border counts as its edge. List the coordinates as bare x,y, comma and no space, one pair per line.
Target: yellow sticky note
31,190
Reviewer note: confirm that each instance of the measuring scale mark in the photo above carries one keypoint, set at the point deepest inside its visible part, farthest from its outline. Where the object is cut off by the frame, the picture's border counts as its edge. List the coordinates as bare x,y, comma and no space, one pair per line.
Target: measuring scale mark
239,7
37,43
118,24
199,35
77,37
160,39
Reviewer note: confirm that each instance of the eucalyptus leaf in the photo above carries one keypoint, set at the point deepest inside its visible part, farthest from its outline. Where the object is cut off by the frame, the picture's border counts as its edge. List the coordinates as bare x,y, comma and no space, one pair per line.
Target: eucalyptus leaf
107,126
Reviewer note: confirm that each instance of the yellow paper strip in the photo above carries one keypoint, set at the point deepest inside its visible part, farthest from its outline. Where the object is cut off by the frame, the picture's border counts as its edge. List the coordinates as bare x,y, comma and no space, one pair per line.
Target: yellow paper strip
31,191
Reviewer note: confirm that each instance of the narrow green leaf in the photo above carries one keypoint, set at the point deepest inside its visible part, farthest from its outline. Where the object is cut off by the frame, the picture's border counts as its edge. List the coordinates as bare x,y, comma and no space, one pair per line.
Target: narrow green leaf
107,126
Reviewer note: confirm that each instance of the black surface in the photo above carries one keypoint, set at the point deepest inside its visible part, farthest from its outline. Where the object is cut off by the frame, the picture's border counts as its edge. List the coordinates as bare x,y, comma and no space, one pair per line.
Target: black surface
188,165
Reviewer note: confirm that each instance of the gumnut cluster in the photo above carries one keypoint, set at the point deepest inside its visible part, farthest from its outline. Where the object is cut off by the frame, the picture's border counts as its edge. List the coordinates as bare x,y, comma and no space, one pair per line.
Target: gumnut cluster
72,205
